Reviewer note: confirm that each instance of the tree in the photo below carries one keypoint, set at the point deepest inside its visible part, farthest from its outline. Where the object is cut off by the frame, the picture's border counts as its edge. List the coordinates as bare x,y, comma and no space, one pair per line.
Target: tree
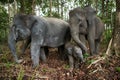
116,31
25,6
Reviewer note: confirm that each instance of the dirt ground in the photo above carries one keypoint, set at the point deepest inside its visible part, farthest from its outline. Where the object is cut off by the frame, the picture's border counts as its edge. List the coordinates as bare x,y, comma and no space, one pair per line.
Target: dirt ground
56,69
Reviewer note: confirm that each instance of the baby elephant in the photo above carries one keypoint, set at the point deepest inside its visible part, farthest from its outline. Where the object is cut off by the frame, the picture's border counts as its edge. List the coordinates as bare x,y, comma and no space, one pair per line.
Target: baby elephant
74,54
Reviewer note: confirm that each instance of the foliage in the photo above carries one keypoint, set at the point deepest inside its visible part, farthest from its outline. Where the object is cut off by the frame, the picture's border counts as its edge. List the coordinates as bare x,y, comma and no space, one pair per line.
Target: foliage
86,55
4,18
118,69
6,1
21,74
3,23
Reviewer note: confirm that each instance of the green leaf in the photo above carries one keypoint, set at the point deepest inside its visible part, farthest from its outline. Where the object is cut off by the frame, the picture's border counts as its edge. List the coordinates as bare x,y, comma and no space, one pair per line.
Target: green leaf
117,69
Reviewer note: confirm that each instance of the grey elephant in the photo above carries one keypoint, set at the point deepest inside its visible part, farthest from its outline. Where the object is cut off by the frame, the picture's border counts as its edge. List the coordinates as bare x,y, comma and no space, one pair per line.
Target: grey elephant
94,30
18,34
74,54
79,19
78,27
51,32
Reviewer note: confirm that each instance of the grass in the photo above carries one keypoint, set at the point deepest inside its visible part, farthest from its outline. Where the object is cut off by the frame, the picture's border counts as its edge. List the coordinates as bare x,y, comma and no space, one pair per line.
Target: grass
117,69
20,74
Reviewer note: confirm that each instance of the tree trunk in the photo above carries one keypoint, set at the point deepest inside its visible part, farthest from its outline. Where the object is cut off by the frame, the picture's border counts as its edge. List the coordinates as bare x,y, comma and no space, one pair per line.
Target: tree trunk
103,5
50,7
62,3
33,6
58,6
116,32
9,12
22,7
15,6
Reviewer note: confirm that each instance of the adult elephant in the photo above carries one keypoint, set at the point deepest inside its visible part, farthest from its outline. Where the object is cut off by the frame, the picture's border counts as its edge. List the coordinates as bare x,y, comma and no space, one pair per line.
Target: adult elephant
78,27
51,32
84,21
95,29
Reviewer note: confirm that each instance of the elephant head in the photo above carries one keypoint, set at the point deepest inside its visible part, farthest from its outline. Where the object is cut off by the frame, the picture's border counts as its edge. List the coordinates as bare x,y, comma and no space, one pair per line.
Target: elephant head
89,10
77,53
90,14
78,25
19,30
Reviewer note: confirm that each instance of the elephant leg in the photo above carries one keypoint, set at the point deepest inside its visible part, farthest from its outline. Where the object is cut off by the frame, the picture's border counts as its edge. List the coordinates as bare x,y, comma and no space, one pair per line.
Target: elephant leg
35,53
42,55
61,52
46,51
71,61
77,63
11,44
26,45
91,45
97,42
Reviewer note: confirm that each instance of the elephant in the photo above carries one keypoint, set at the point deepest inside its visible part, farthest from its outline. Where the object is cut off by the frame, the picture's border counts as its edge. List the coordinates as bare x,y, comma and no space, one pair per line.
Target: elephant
50,32
94,30
85,23
74,54
78,27
16,35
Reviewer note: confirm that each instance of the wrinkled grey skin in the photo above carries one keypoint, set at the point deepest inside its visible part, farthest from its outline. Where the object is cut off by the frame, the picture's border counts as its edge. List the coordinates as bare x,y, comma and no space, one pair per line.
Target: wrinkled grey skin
74,54
17,33
27,43
95,29
46,49
78,27
79,19
49,32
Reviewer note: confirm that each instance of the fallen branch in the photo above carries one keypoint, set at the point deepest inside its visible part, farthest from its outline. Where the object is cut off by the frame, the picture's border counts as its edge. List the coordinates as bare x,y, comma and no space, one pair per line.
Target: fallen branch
96,61
109,46
104,57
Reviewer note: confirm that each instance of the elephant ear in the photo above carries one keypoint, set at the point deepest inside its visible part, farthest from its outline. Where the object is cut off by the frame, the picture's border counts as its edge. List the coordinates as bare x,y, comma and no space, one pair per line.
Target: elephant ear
30,21
24,20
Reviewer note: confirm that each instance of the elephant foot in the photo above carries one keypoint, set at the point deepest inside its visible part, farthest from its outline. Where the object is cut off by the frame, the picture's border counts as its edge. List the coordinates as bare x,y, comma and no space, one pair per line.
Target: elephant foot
35,66
19,61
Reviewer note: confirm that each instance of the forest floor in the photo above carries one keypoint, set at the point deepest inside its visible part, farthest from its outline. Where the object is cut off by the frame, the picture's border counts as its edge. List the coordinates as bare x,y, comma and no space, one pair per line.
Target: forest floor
94,68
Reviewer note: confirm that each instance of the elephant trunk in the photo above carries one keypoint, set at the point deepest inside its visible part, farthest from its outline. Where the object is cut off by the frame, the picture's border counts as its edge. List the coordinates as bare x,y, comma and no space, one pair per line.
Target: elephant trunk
75,37
11,44
79,54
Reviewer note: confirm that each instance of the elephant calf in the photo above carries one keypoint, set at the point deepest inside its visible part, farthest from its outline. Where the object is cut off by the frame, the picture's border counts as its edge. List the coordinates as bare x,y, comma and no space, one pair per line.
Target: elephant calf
74,54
